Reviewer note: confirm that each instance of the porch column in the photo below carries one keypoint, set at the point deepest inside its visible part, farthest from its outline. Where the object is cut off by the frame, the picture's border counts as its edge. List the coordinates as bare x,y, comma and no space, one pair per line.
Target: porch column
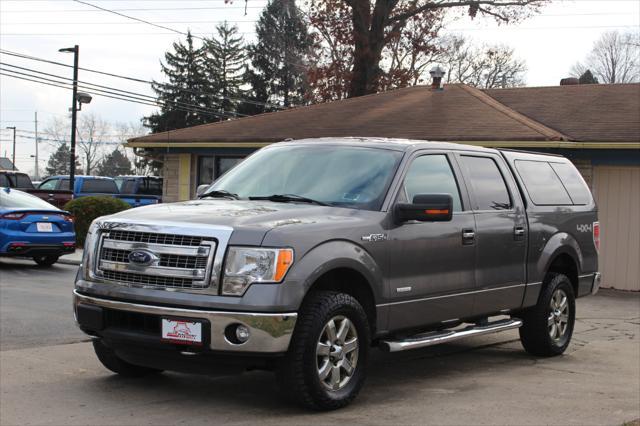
184,177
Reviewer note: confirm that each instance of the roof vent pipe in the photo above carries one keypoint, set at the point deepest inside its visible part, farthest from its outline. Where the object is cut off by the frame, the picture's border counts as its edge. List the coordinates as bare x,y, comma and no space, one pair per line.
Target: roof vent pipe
436,77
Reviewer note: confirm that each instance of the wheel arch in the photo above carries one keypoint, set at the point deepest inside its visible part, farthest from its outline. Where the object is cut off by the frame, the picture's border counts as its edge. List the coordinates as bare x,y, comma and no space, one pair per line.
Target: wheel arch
561,254
346,267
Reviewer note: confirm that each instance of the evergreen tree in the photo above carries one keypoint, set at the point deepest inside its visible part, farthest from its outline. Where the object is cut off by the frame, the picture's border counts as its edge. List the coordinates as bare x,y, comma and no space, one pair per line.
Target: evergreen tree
225,57
587,77
114,164
278,72
58,163
184,92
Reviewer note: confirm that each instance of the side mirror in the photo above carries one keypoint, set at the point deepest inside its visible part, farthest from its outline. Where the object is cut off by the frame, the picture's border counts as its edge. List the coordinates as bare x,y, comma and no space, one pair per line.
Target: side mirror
202,189
426,208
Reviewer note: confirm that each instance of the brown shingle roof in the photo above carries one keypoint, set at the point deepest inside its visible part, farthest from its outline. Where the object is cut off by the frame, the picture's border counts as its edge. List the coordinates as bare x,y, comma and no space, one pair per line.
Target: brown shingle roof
603,113
588,112
458,113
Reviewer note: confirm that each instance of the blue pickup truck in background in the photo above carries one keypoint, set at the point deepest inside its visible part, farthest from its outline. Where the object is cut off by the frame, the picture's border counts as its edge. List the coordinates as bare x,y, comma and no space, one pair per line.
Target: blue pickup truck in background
140,185
85,186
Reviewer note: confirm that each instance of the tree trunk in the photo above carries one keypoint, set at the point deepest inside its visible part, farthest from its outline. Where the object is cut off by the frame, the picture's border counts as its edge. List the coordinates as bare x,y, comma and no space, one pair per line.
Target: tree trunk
368,35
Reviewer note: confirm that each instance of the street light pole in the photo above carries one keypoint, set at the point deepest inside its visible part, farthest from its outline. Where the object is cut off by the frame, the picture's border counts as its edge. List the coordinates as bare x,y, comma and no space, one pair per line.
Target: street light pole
36,174
74,110
13,157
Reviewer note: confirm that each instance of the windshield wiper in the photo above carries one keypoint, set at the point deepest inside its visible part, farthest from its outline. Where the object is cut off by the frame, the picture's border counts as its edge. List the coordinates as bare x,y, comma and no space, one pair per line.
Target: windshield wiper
220,193
285,198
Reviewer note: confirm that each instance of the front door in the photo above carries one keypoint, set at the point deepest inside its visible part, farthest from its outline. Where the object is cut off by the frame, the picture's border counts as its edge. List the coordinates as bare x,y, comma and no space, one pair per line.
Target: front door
432,265
501,233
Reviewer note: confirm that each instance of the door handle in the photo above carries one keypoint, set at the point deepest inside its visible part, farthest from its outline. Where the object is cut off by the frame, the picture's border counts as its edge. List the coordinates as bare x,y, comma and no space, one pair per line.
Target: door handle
518,233
468,236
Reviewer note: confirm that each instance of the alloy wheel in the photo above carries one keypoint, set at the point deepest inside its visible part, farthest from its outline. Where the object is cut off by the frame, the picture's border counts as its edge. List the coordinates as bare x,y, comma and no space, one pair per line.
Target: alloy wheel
337,353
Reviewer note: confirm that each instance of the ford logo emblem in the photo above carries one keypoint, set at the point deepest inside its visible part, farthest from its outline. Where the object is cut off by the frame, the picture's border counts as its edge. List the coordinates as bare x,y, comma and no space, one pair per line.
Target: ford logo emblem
142,257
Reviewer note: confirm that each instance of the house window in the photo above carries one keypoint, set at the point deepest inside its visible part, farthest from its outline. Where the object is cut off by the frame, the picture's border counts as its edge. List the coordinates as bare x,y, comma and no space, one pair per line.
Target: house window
211,168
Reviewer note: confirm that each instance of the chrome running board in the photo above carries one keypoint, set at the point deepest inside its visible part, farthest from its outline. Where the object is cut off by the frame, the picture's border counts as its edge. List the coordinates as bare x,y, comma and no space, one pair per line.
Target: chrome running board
436,337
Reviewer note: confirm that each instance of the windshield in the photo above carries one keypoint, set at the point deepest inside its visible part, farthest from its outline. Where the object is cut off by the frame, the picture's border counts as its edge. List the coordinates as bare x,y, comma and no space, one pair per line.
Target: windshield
21,200
340,176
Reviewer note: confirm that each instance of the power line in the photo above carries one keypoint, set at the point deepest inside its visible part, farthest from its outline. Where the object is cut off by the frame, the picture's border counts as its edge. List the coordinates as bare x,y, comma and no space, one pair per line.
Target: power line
122,98
138,80
83,84
139,9
104,9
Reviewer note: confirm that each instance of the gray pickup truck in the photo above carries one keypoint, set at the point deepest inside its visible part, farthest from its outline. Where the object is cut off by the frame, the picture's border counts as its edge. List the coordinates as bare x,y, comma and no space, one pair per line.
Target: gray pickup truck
309,253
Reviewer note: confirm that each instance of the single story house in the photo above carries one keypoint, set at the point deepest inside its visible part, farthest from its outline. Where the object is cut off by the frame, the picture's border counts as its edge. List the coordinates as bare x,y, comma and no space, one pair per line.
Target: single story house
596,126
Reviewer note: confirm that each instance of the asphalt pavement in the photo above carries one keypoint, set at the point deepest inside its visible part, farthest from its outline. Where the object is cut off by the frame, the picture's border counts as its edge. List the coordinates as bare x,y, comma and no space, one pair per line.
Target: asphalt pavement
49,374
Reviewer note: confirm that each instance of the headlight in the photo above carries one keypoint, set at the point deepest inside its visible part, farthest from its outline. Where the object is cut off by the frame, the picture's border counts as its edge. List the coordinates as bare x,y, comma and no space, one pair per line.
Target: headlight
245,266
90,243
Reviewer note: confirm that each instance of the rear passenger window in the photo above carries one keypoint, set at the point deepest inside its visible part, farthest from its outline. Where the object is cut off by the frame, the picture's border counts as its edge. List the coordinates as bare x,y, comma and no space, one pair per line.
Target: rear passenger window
542,183
573,182
432,174
488,184
99,185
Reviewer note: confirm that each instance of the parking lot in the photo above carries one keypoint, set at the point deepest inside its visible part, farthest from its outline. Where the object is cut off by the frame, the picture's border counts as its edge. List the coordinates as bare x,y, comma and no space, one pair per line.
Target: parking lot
49,374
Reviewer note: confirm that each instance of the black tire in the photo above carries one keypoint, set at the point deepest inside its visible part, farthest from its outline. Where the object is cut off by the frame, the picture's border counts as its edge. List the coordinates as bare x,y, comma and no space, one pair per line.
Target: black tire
45,260
298,373
112,362
537,327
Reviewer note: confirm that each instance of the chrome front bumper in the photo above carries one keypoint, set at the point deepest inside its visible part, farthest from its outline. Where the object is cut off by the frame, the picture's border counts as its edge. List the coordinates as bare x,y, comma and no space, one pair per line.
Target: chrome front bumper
270,333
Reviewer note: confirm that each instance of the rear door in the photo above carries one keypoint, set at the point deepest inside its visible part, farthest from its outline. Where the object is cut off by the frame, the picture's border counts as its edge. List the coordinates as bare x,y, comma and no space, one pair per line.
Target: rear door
432,265
500,235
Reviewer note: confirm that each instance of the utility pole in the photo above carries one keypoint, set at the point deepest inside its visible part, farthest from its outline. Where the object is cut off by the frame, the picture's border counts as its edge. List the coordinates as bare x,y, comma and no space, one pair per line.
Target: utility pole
74,112
13,157
36,174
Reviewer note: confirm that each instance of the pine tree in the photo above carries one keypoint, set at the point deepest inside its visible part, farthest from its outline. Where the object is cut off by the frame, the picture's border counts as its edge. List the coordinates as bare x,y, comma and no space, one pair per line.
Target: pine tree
115,164
225,57
587,77
278,71
58,163
184,94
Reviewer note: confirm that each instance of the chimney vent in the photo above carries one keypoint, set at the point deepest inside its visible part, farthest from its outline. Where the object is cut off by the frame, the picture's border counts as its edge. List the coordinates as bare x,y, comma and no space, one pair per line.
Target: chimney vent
436,74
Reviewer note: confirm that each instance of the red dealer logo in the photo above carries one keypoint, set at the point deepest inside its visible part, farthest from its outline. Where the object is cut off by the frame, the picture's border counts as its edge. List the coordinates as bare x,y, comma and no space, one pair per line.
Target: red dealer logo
181,331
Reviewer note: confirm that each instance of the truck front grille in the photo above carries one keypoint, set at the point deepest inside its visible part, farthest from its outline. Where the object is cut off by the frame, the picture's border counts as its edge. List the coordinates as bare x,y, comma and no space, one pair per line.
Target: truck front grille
168,260
175,261
148,237
149,280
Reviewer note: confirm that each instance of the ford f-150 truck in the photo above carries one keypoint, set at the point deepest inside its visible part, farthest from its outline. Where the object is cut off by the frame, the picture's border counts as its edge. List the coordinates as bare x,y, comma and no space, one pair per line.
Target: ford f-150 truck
309,253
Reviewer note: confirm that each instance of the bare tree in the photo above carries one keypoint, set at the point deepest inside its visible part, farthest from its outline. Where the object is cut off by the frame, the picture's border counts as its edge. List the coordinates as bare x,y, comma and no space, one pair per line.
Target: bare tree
615,58
92,132
485,66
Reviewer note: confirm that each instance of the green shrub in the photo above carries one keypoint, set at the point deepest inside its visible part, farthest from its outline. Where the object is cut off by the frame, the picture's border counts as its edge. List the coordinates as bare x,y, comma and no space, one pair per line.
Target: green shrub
86,209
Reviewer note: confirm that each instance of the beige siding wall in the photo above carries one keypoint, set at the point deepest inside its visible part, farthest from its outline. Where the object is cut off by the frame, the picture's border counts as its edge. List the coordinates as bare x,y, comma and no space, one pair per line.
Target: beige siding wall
617,192
171,170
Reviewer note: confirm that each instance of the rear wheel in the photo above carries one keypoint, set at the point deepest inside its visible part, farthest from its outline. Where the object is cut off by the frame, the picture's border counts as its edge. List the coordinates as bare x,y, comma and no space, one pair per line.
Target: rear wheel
111,361
326,363
547,327
45,260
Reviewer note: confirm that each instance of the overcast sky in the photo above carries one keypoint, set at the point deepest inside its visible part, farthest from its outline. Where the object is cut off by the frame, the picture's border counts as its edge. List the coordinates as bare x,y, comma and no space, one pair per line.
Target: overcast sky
550,43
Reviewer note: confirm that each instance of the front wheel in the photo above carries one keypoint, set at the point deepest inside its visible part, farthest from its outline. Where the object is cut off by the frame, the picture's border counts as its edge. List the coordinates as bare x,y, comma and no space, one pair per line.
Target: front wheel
326,363
547,327
45,260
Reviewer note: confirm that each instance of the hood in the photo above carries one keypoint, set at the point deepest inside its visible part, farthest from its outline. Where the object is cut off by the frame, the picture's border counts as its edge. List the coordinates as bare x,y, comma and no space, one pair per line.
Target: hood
250,220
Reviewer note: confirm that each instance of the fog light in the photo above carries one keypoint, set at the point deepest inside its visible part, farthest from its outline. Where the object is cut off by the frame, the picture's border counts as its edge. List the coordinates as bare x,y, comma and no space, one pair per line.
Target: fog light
242,333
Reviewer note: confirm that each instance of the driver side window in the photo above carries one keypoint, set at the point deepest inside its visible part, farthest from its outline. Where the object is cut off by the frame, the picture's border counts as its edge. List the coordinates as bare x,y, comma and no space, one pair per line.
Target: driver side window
48,184
432,174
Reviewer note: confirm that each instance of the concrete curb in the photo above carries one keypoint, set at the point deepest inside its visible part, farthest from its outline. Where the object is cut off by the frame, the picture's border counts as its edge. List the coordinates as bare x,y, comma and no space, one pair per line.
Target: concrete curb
70,261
